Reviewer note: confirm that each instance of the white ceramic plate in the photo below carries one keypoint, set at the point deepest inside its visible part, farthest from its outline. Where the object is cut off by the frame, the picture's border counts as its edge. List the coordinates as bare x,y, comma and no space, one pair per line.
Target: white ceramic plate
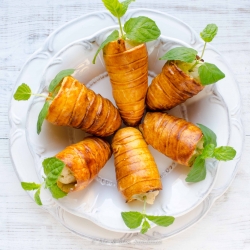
101,202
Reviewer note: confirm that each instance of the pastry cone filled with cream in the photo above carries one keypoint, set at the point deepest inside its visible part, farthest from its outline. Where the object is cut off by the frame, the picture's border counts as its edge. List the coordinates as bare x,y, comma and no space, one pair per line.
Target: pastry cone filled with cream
128,72
174,137
173,86
83,161
77,106
136,172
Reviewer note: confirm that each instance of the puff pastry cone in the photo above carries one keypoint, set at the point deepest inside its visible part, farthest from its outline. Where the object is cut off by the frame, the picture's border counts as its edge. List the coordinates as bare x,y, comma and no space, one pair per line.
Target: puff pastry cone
77,106
83,161
136,172
174,137
173,86
128,72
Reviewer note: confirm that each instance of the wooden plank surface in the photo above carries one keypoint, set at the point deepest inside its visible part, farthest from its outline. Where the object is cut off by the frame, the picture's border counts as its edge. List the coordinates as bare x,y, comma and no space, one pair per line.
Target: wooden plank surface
24,25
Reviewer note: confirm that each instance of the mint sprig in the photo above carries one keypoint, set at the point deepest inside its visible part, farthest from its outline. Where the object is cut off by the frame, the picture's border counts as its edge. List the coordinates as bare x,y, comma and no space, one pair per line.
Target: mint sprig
52,168
223,153
23,93
28,186
208,73
137,30
135,219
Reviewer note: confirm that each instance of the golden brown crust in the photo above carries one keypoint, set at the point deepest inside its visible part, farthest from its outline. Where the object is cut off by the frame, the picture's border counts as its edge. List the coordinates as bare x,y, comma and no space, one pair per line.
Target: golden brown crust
172,136
136,171
84,159
128,72
79,107
171,88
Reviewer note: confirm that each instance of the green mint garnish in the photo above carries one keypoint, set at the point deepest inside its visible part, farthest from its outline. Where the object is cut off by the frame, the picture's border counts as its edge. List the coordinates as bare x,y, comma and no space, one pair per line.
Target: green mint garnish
37,197
138,30
209,33
198,171
145,226
56,192
42,115
59,77
22,93
224,153
134,219
208,151
162,220
52,168
116,8
180,53
210,73
141,29
112,37
28,186
209,136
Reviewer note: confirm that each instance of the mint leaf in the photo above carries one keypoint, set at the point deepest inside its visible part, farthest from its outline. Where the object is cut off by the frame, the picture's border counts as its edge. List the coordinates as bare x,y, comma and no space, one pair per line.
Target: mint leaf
59,77
145,226
181,53
163,221
37,197
141,29
22,93
113,36
208,151
210,73
198,171
132,219
116,8
209,32
52,168
125,5
209,136
30,186
224,153
56,192
42,115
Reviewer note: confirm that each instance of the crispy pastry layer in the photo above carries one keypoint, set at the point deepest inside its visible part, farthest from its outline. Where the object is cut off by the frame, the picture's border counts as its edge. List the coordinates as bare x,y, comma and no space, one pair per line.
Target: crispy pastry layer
84,159
79,107
136,171
172,136
171,88
128,72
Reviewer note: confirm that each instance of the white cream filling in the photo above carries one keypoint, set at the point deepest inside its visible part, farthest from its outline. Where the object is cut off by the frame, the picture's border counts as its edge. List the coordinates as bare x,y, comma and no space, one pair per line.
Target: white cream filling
66,176
185,67
150,196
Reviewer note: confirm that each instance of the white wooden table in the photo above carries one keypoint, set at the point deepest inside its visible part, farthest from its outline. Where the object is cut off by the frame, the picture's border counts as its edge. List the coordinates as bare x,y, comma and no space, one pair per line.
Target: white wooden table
24,25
